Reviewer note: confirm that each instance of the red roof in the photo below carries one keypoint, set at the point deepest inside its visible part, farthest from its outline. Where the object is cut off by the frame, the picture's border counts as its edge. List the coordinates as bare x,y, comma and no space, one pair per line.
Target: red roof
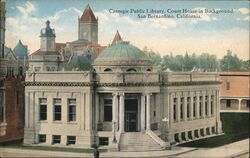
88,15
117,37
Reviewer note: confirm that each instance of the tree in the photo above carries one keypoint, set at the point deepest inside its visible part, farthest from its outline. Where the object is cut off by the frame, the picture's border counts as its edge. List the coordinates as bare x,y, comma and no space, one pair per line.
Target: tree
230,62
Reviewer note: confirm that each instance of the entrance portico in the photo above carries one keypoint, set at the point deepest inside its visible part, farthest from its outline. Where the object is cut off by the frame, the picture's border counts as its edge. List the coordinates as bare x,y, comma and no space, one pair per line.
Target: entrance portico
129,111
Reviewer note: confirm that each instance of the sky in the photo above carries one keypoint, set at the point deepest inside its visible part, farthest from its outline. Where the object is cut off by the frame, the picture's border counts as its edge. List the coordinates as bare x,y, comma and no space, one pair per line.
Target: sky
210,33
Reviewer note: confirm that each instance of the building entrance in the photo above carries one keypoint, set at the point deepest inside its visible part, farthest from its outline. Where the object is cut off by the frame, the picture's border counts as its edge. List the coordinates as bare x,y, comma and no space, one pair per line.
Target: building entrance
131,111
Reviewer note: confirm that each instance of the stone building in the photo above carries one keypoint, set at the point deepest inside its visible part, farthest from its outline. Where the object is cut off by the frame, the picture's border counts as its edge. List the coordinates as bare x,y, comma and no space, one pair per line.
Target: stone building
48,57
235,92
12,70
2,68
87,42
123,102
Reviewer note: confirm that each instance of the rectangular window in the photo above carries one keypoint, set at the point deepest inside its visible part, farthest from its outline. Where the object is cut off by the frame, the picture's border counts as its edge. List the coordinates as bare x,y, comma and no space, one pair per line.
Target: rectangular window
42,138
71,140
206,105
56,139
103,141
212,105
72,110
108,110
1,107
57,109
228,85
228,103
201,105
188,107
175,108
43,108
182,105
194,106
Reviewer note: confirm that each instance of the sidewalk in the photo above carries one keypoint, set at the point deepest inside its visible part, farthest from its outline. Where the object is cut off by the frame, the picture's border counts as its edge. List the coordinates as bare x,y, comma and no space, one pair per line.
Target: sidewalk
14,152
229,150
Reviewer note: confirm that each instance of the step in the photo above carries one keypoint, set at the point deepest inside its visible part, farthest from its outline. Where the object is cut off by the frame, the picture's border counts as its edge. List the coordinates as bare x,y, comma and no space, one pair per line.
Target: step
137,141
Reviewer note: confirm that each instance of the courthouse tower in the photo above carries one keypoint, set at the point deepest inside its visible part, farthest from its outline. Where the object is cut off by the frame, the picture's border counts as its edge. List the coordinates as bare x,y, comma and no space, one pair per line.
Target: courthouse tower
88,26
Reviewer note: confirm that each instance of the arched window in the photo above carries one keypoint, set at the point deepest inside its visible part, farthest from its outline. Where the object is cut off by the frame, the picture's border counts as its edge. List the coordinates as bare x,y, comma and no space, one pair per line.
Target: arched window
107,70
131,70
148,69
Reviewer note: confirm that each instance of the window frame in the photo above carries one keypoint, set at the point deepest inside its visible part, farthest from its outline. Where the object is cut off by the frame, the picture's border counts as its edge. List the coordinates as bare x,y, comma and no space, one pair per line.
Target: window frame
71,113
109,105
55,104
46,107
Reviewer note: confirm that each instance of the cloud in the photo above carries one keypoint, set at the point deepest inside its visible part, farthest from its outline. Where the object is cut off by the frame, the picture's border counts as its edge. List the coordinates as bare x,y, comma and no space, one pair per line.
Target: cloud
11,21
243,10
247,18
26,9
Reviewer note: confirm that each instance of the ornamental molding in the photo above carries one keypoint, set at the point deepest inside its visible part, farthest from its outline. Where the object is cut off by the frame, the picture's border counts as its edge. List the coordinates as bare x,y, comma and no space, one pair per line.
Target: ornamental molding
129,84
63,84
192,83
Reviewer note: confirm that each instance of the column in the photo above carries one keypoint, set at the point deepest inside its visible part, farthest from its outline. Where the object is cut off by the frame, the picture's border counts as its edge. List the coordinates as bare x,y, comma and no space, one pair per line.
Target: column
203,105
148,112
121,123
191,106
178,109
239,104
198,106
114,111
185,107
209,104
142,112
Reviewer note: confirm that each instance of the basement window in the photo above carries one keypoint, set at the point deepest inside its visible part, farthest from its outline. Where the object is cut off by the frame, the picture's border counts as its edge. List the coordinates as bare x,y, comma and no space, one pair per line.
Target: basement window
103,141
42,138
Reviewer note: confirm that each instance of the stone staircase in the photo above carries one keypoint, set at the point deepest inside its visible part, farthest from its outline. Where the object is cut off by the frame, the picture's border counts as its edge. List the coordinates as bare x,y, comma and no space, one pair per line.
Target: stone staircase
137,141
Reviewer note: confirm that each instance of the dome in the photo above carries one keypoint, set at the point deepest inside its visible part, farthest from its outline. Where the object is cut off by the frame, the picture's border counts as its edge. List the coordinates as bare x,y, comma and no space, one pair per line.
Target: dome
21,50
80,63
121,54
48,32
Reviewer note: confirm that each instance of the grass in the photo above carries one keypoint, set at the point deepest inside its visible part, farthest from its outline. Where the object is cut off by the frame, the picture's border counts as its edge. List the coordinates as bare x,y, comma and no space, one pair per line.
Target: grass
19,144
234,125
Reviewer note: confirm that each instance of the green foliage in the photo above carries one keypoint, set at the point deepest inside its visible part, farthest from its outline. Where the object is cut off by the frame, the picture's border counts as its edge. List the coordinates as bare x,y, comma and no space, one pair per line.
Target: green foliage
205,62
231,62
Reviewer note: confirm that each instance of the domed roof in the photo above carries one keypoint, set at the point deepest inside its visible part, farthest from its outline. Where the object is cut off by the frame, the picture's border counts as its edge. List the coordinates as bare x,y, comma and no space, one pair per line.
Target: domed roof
78,63
123,53
48,32
21,50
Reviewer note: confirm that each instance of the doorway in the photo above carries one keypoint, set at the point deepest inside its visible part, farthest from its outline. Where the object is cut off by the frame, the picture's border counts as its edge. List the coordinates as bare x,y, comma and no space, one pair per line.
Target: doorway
131,111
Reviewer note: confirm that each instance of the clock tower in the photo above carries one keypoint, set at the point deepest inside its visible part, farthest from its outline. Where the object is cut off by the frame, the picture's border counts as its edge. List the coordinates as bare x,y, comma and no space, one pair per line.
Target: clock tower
48,39
88,26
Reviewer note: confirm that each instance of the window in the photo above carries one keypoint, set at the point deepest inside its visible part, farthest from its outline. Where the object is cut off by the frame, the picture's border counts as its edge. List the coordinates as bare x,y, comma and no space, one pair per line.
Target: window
248,103
72,110
188,107
175,109
182,102
131,70
71,140
57,109
206,105
1,107
228,103
212,105
207,131
194,106
108,110
43,108
108,70
42,138
103,141
228,85
201,105
213,130
56,139
148,69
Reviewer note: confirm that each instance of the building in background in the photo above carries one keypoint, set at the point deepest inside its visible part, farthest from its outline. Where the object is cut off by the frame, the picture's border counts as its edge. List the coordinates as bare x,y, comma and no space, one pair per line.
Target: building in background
235,92
12,70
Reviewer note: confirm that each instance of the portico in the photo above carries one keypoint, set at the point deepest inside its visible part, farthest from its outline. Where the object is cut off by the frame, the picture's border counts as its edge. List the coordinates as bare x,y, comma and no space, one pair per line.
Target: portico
130,112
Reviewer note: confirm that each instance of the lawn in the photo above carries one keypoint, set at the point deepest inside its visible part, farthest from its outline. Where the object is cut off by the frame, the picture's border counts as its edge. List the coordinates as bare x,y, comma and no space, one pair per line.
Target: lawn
234,125
19,144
